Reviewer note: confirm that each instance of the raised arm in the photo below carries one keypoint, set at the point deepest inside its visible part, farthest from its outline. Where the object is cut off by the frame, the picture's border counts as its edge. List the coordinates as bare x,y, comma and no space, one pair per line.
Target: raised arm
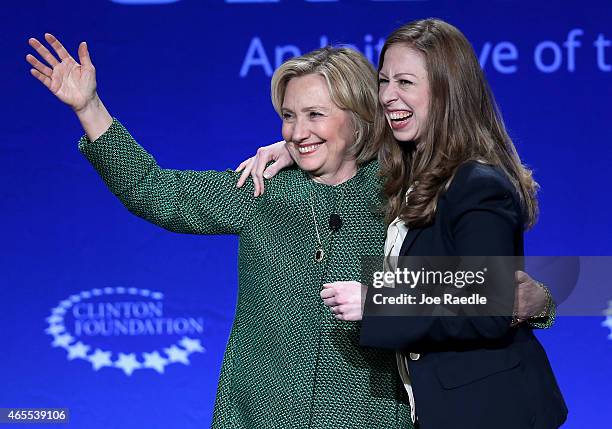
193,202
183,201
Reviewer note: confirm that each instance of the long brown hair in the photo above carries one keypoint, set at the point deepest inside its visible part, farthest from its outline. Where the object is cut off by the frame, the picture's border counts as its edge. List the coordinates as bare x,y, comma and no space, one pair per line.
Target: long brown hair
463,124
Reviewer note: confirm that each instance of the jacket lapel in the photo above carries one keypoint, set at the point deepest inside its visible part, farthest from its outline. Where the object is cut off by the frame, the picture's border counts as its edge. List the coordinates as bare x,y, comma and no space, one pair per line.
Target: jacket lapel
412,235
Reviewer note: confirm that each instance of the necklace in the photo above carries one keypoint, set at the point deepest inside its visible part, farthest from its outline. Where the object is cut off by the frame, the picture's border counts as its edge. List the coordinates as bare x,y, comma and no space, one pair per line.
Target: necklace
320,252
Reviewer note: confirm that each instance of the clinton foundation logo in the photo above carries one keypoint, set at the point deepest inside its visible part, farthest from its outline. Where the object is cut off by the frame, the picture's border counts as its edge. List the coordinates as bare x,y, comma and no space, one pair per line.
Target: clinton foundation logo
127,329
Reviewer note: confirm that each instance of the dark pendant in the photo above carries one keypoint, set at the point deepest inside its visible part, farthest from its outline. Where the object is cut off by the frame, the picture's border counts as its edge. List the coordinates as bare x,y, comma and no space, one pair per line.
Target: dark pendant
319,255
335,222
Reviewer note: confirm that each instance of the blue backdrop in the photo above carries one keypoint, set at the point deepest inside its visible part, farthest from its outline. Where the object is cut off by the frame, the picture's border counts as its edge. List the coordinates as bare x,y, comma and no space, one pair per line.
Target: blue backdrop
190,79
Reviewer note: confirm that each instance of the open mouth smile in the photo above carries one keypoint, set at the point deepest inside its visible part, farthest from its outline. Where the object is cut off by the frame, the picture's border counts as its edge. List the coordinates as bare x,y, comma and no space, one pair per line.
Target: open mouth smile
399,118
308,148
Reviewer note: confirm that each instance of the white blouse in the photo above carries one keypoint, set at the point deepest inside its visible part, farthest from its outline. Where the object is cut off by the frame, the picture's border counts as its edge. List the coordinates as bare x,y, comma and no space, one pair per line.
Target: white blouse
396,232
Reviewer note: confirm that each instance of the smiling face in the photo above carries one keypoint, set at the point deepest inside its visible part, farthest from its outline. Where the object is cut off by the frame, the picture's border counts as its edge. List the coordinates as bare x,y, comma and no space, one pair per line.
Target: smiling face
319,133
404,92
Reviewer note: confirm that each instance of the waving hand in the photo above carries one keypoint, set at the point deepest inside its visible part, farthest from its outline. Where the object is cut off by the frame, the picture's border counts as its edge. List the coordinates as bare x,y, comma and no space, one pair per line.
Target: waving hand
72,82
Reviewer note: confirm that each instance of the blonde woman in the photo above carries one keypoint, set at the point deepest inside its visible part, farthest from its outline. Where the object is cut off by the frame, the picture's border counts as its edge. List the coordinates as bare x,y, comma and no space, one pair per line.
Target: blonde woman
289,362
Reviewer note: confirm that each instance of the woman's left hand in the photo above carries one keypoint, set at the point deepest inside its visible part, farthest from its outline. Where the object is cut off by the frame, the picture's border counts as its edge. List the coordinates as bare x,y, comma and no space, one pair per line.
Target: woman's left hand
530,297
344,299
256,165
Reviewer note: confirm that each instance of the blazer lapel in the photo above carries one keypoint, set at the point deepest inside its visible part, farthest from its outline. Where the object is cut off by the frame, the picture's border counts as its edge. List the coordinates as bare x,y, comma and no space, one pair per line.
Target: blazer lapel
412,235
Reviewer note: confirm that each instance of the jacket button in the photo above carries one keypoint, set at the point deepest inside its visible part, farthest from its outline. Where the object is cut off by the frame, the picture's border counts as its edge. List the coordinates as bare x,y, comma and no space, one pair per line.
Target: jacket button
414,356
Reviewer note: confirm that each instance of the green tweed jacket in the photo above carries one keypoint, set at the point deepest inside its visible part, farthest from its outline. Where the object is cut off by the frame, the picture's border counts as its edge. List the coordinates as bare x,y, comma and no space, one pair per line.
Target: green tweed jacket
289,363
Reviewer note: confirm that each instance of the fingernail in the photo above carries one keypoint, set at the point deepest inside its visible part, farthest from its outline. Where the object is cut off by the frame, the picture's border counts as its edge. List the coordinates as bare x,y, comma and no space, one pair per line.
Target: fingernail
267,175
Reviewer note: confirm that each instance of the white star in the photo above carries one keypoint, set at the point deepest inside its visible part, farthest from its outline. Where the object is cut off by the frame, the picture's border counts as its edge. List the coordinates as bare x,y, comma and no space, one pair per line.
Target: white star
54,319
75,298
78,350
191,345
62,340
99,359
96,292
66,303
145,292
54,329
132,291
109,290
176,354
155,361
127,363
85,294
58,310
608,324
157,295
120,289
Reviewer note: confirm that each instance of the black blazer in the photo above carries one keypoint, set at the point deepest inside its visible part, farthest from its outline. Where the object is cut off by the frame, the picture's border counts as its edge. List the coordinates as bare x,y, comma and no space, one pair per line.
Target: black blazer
472,372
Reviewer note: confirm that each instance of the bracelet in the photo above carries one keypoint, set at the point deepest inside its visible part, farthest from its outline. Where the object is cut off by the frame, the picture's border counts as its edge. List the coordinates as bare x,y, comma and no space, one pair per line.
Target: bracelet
549,301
